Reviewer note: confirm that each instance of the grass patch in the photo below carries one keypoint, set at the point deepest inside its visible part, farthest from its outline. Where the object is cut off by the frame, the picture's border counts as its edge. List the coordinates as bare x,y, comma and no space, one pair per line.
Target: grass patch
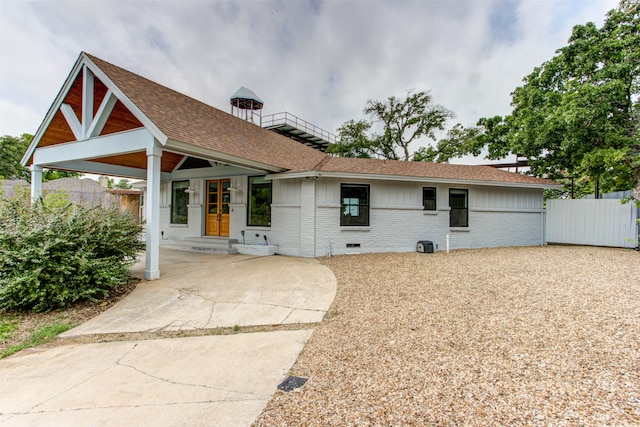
40,336
7,328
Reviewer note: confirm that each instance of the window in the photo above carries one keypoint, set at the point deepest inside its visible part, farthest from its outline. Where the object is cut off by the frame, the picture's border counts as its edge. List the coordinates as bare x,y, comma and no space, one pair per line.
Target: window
429,198
355,204
259,205
179,201
459,204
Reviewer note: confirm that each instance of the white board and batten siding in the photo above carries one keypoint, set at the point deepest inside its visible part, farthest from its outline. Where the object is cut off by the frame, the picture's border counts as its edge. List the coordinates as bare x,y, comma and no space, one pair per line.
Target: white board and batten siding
603,222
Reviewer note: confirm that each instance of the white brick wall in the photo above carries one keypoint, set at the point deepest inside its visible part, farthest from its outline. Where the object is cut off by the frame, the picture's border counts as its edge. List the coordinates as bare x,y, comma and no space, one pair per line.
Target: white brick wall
498,216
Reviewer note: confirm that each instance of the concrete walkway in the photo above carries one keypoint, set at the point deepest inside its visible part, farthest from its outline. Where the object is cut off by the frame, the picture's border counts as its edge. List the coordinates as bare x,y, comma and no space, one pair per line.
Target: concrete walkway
193,381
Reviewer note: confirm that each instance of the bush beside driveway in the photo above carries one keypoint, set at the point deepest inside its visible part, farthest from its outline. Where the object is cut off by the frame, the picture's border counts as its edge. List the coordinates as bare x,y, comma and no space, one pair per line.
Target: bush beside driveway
509,336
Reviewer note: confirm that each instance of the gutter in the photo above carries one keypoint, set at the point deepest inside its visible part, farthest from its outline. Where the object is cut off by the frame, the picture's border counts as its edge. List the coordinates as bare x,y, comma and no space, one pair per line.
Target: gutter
208,153
422,179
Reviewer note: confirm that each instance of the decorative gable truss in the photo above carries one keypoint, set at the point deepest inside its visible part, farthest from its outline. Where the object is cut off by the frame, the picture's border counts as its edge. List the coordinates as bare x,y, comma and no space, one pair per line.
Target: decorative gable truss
91,125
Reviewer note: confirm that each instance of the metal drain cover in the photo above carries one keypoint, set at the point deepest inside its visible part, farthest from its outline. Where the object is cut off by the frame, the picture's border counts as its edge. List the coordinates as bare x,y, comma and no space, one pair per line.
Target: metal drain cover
292,383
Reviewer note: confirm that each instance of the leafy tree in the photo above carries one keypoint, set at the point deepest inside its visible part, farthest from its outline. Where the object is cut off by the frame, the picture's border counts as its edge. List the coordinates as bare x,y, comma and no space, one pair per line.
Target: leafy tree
577,114
459,141
12,149
403,122
353,141
50,175
122,184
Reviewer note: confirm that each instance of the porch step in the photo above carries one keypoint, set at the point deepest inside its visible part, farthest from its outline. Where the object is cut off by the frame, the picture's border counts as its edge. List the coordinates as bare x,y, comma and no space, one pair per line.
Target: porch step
209,245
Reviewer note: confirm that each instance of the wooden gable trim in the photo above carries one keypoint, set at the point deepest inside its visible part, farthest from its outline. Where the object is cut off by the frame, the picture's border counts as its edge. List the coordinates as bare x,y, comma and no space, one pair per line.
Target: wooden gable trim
146,122
53,110
94,118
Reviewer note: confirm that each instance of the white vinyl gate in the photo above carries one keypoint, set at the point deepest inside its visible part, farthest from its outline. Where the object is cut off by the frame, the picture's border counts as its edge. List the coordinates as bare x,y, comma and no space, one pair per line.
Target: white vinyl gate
603,222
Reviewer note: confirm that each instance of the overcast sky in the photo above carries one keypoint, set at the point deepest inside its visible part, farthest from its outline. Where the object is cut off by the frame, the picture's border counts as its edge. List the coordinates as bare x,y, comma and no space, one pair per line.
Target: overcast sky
320,60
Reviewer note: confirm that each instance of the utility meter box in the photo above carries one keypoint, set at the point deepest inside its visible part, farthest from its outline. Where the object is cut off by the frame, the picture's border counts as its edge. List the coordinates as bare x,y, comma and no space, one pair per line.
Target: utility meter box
425,246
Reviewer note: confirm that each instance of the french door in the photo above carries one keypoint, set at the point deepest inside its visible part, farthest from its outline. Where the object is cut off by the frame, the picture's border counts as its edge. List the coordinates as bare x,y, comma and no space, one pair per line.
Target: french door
218,198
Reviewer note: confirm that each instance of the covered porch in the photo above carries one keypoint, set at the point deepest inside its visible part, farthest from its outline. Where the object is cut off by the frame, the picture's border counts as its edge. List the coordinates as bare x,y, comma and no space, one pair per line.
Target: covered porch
96,126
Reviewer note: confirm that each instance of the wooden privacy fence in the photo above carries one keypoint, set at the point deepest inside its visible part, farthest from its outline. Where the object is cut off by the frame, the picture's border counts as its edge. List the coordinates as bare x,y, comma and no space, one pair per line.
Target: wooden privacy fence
602,222
84,192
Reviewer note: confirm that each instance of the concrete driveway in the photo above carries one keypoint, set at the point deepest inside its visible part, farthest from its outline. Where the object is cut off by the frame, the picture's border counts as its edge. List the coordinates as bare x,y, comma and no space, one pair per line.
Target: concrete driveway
192,381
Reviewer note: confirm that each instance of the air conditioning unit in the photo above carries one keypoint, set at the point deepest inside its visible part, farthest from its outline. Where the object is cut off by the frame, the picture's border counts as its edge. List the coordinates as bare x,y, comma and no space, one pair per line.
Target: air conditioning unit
425,246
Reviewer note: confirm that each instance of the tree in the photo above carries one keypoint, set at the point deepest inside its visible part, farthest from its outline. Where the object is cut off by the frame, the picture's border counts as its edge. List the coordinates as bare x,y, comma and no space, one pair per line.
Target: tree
459,141
576,116
353,141
403,122
122,184
50,175
12,149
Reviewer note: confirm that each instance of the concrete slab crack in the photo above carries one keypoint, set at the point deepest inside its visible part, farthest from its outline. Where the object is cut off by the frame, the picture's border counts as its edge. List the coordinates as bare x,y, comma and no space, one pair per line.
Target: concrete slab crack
60,393
278,305
144,405
213,307
203,386
287,316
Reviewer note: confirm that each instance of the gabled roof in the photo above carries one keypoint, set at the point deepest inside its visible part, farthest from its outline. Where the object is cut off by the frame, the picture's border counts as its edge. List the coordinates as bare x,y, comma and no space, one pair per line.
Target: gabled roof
187,120
177,120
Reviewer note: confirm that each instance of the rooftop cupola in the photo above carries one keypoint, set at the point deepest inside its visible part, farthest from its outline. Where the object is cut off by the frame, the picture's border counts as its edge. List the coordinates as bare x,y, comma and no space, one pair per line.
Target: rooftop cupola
244,103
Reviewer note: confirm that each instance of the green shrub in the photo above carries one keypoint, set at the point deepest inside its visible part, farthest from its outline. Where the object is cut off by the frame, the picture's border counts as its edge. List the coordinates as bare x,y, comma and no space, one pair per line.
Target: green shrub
53,254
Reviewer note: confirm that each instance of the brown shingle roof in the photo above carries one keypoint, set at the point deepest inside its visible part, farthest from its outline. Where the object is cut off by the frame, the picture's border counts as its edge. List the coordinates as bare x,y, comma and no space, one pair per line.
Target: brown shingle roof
190,121
187,120
426,170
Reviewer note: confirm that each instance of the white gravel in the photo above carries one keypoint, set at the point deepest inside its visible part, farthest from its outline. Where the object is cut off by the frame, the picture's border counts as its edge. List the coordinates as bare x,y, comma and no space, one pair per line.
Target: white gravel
508,336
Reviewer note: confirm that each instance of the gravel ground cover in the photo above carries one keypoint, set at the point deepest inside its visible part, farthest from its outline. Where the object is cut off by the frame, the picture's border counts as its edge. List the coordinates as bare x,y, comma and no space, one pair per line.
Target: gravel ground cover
508,336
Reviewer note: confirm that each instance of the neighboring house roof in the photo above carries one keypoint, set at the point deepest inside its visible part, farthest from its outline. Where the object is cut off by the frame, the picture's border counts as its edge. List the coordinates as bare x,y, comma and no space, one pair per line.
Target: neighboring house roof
84,185
8,186
126,191
13,182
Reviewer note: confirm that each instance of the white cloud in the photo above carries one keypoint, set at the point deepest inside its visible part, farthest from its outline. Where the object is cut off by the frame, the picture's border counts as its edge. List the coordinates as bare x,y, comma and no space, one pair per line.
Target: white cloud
319,60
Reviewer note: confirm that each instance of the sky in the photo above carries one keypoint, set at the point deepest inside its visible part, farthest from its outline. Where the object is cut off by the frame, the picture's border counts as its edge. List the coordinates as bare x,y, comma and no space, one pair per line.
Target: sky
319,60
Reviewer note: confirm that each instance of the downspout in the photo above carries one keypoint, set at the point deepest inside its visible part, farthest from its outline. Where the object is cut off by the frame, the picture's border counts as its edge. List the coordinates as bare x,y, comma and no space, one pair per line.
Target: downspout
542,227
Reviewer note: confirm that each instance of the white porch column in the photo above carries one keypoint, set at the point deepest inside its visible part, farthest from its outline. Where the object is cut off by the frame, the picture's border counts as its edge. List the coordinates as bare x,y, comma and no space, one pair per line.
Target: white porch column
152,266
36,182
